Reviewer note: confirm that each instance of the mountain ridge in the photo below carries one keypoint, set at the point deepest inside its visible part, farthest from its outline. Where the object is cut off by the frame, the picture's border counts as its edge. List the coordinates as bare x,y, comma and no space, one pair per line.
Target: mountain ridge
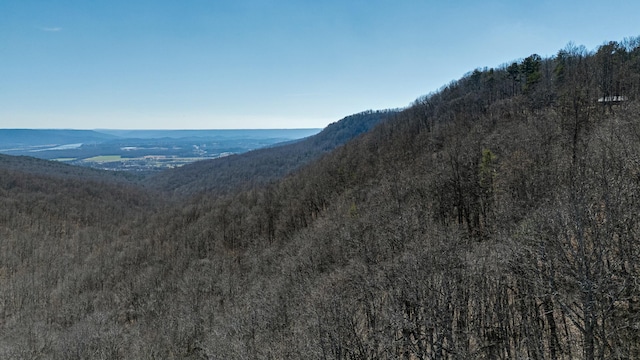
34,137
261,166
491,219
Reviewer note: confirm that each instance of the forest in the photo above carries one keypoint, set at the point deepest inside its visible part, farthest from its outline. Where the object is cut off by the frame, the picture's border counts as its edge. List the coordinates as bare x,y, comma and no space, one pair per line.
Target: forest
496,218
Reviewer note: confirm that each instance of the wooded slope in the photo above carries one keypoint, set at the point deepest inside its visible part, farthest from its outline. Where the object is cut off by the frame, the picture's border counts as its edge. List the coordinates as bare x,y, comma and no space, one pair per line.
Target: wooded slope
495,218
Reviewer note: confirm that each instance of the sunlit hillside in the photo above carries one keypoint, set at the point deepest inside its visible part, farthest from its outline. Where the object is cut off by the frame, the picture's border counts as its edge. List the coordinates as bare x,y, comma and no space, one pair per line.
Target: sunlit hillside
493,219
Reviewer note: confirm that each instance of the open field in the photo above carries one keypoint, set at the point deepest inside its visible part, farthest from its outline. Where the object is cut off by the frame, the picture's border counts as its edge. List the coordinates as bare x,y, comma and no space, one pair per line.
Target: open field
104,158
141,163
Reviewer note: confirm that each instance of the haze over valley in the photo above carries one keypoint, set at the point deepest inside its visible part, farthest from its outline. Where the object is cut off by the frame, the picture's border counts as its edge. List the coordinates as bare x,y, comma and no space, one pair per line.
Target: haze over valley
139,150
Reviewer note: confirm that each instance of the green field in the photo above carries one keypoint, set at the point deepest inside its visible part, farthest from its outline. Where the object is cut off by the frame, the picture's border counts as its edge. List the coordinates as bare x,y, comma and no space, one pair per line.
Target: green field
104,158
155,162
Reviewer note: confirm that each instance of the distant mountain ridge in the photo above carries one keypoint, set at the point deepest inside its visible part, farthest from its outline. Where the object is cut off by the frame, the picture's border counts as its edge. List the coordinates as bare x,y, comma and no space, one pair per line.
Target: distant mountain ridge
35,137
267,164
213,133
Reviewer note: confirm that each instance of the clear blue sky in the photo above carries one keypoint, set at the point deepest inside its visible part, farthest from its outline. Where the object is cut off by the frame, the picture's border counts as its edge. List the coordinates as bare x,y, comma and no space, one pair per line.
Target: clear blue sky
213,64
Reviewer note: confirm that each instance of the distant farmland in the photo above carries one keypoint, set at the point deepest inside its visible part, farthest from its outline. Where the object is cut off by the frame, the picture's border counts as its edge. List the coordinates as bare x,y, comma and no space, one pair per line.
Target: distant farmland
141,150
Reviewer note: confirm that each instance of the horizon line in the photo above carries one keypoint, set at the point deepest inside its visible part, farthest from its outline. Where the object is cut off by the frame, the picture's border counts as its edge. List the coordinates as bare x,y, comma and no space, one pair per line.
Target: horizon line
163,129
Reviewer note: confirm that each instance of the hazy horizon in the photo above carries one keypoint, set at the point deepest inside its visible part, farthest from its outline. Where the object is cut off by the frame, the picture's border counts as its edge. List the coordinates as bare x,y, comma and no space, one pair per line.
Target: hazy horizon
251,65
159,129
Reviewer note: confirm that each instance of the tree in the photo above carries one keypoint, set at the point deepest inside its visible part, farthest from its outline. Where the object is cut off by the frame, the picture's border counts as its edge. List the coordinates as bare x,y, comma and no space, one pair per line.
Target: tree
530,69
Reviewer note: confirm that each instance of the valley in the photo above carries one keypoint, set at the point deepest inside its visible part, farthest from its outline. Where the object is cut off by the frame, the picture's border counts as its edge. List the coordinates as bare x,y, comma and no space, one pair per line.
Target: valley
493,219
140,150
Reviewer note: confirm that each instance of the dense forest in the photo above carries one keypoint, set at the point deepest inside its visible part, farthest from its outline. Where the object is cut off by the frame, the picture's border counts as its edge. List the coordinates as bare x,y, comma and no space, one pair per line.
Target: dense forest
496,218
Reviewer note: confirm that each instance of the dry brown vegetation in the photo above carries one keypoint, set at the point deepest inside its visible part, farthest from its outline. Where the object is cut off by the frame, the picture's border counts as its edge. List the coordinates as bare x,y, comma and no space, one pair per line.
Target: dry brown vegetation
496,218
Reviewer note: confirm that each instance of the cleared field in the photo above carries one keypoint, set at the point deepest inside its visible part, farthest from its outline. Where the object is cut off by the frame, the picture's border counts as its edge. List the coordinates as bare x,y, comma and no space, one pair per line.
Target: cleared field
147,162
104,158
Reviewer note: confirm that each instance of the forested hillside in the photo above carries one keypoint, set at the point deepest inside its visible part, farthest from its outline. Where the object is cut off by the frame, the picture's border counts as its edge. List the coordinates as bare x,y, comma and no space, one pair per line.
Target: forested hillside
262,166
33,166
493,219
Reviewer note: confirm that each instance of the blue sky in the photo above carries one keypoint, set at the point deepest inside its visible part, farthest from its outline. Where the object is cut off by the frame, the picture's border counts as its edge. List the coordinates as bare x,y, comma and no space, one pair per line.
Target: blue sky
220,64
